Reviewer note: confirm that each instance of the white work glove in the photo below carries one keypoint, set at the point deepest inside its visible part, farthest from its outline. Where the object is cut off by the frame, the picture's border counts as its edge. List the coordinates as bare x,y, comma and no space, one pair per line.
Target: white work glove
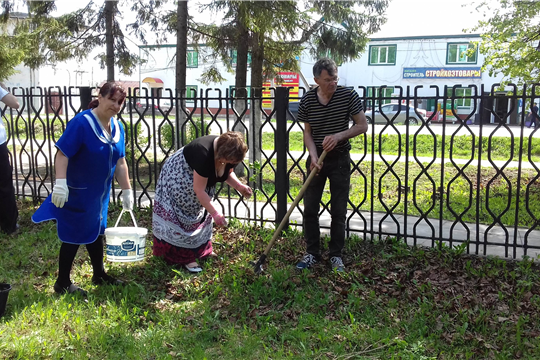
127,199
60,193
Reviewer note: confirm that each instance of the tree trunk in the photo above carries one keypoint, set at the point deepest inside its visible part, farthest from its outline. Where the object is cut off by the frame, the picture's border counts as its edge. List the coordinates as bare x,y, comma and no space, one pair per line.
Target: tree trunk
240,94
181,65
110,9
257,57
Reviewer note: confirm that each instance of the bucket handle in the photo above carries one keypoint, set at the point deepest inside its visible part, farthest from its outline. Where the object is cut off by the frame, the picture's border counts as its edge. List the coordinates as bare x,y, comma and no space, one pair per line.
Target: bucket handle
122,213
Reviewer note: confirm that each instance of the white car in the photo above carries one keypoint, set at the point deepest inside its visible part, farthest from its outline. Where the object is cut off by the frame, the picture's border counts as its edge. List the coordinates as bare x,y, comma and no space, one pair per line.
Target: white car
158,103
396,113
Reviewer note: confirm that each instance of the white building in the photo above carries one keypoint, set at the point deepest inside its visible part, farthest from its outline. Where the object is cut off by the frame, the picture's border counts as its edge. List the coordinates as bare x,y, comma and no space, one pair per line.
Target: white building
426,61
395,62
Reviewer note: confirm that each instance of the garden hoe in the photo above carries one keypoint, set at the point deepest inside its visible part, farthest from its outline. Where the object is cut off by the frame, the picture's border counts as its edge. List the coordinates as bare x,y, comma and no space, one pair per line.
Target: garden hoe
257,267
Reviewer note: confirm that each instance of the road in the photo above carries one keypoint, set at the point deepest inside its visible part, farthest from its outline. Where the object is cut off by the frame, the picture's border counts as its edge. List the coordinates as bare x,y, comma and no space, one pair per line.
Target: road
436,129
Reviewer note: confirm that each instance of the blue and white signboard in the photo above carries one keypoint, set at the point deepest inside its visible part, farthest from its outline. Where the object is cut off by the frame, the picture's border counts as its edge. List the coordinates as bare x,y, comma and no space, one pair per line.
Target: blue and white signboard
442,73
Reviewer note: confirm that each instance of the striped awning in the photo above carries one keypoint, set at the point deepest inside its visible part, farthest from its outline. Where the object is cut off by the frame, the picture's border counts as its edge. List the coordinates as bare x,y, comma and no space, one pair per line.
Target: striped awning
153,82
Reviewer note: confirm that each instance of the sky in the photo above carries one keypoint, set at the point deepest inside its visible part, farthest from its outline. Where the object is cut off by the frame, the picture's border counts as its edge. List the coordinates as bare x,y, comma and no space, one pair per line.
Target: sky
405,18
429,17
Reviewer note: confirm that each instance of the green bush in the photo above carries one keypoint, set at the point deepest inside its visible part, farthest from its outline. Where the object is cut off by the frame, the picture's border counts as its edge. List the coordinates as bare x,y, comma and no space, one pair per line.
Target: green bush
191,130
140,140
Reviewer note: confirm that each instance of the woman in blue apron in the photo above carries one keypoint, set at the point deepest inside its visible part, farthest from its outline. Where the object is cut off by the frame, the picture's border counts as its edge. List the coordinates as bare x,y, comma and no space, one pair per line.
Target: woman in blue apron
91,151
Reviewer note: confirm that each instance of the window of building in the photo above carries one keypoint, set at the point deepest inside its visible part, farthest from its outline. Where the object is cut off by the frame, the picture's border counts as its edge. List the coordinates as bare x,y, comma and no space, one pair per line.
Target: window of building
463,97
191,93
459,53
385,93
192,58
234,57
382,55
232,92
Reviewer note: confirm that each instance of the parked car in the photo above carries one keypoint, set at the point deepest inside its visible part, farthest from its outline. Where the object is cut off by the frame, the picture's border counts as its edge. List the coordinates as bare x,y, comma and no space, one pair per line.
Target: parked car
396,113
158,103
293,109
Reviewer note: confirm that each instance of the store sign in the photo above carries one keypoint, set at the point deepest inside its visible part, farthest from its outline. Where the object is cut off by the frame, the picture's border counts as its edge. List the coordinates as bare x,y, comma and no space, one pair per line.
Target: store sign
442,73
284,78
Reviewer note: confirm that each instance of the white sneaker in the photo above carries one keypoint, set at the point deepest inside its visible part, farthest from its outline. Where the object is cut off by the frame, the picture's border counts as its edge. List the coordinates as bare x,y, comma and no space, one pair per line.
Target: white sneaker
337,263
307,261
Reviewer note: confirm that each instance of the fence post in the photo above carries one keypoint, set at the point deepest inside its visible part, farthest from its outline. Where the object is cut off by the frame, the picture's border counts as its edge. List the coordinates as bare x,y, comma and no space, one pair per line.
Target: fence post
281,144
86,96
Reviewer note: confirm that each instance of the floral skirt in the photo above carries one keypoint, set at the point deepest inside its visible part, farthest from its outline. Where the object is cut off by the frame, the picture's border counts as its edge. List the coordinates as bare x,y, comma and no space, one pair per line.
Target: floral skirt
178,216
177,255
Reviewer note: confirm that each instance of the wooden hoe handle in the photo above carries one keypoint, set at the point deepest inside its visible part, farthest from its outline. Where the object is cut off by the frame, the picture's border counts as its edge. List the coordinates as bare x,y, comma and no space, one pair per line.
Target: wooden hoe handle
295,202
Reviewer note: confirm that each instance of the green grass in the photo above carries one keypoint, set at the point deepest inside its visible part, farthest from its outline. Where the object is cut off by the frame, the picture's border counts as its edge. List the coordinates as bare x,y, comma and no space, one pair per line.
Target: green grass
428,146
394,302
501,201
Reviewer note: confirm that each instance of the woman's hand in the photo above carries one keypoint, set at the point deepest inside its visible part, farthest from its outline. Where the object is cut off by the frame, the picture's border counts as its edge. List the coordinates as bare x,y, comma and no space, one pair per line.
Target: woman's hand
219,219
60,193
245,191
127,199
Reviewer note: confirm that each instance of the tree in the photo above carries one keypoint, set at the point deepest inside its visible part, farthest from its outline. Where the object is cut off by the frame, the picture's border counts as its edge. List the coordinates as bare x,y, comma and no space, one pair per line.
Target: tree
45,39
9,58
282,30
511,40
277,32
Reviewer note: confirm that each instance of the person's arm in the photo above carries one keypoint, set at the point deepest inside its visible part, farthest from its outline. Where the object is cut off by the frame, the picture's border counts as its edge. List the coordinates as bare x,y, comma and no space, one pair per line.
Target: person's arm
10,101
312,148
360,126
122,174
199,186
60,165
60,192
233,181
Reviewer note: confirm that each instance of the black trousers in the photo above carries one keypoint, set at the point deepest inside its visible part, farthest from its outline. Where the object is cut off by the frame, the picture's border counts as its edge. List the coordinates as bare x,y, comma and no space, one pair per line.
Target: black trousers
8,206
337,169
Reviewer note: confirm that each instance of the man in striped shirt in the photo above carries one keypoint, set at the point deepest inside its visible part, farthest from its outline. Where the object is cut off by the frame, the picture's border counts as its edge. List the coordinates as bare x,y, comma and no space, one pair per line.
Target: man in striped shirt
326,111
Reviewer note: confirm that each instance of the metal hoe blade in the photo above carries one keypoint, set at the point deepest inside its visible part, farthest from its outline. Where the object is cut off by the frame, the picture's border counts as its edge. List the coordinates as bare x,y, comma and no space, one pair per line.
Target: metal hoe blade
258,266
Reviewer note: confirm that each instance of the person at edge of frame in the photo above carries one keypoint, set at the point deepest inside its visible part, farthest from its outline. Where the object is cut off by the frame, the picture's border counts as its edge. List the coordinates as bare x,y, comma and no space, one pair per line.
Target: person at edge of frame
8,205
533,116
91,151
326,111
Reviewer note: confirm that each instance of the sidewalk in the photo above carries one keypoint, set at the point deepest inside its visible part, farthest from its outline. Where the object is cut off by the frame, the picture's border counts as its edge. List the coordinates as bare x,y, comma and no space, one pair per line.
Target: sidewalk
429,230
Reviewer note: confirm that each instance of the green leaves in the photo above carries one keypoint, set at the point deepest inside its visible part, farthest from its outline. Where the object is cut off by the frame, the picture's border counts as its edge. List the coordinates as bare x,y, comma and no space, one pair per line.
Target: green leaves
10,57
42,39
509,41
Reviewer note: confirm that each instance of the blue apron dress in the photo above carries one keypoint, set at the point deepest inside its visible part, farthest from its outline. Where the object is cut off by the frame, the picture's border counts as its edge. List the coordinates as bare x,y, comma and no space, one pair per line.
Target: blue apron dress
92,155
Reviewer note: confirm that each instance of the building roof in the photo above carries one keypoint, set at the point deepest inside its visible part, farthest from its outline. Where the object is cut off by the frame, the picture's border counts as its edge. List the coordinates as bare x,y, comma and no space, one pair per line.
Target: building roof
426,37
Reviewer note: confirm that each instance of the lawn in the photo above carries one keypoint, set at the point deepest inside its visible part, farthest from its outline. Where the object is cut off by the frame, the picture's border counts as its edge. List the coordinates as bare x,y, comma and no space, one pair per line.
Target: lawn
394,302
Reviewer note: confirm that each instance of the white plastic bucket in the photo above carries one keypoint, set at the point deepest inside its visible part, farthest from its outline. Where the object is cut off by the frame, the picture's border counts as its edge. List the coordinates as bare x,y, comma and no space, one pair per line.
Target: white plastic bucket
125,244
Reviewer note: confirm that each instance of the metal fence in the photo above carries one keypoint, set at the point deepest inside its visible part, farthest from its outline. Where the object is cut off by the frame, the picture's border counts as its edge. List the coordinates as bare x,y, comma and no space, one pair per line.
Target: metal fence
457,165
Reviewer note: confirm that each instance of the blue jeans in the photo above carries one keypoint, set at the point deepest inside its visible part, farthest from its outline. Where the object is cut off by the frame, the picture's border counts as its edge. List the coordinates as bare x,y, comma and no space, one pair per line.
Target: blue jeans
337,169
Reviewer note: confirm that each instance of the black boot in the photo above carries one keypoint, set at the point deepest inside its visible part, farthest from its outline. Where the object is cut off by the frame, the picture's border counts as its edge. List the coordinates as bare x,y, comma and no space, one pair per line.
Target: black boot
70,289
104,278
95,250
63,284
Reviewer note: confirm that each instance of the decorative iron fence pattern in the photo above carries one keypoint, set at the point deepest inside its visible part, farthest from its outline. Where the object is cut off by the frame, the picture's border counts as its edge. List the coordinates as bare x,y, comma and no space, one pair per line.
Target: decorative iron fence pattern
457,165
